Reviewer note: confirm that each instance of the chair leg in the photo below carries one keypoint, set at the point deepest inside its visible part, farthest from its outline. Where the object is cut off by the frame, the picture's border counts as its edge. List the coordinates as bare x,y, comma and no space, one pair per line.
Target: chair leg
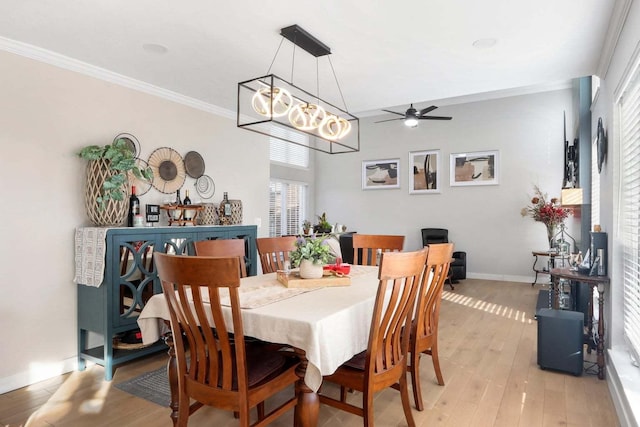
436,361
414,370
406,404
450,280
367,408
343,394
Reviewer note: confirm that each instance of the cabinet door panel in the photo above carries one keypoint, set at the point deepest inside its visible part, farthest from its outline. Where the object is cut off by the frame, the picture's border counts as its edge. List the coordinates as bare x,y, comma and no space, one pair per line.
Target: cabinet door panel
134,277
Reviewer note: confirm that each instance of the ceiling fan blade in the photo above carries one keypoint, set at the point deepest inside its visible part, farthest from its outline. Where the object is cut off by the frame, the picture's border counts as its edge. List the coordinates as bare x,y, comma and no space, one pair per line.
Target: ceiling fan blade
434,118
393,112
388,120
427,110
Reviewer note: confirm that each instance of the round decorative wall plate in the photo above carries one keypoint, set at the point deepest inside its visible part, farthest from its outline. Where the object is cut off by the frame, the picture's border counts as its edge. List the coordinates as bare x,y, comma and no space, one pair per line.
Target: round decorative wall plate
205,187
168,170
131,141
194,164
601,144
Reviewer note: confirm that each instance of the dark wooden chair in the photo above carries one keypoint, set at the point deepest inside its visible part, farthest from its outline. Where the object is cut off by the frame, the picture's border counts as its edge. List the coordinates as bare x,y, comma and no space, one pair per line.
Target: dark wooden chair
424,329
367,246
274,251
223,248
384,363
221,371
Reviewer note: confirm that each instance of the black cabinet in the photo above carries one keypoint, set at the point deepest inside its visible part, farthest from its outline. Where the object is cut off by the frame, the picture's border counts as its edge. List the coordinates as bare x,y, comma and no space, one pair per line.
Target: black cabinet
130,280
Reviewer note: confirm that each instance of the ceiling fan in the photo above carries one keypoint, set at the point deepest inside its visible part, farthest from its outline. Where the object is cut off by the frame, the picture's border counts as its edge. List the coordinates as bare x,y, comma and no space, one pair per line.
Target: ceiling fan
411,116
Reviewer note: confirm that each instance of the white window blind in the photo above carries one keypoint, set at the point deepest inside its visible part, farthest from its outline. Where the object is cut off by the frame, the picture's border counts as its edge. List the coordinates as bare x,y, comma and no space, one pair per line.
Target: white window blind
629,108
286,152
287,201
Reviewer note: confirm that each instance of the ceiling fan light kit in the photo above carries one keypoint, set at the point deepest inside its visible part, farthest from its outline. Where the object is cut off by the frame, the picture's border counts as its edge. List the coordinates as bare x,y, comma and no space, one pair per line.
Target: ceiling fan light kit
269,102
412,116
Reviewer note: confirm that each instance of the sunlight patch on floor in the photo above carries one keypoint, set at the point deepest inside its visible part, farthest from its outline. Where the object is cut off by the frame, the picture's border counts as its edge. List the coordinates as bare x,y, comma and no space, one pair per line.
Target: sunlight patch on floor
497,309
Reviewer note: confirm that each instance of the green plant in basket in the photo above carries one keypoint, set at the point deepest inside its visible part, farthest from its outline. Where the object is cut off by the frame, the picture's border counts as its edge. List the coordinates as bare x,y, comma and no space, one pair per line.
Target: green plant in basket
314,249
121,160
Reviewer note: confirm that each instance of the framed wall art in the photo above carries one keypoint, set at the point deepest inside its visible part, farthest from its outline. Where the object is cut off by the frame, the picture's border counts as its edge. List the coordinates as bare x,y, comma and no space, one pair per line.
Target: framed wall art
380,174
477,168
424,172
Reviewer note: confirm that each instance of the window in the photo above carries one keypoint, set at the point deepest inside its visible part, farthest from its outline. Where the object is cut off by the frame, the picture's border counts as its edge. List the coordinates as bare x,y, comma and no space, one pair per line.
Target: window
288,191
629,115
286,152
286,207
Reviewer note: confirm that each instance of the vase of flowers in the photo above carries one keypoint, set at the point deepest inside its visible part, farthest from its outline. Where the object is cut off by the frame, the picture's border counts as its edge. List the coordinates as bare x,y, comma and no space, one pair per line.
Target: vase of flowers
548,212
310,254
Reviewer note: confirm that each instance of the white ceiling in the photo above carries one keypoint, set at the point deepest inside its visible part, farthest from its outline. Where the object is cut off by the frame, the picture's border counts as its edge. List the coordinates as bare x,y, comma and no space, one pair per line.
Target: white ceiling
385,54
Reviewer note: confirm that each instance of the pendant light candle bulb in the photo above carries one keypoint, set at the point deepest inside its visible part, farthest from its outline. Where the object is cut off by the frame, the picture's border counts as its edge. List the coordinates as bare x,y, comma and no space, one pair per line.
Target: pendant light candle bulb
265,99
307,116
334,127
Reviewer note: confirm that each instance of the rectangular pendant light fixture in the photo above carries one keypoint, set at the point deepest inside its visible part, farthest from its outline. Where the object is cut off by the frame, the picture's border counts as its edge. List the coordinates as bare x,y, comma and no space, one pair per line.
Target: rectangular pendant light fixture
269,102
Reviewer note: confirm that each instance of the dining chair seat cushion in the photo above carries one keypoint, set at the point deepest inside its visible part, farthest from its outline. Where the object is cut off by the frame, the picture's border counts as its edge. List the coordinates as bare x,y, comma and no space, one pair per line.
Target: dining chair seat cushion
357,361
263,363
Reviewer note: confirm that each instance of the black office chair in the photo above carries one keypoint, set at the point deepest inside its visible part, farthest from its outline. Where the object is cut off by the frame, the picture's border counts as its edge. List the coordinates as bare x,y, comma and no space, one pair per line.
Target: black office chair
458,266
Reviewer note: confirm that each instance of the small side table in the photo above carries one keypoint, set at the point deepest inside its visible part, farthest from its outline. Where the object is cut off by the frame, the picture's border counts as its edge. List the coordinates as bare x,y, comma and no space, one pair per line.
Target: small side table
595,283
554,257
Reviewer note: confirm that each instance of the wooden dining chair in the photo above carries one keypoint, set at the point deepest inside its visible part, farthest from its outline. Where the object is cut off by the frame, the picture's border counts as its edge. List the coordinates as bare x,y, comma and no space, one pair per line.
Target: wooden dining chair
384,363
424,329
367,246
223,248
274,251
221,371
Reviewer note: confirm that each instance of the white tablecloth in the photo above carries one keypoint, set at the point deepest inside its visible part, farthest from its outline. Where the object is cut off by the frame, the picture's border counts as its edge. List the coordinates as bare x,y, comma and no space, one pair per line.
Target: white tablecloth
330,324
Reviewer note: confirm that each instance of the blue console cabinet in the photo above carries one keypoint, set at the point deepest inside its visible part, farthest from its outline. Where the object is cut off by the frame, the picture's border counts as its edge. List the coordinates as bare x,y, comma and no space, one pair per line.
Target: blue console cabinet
130,280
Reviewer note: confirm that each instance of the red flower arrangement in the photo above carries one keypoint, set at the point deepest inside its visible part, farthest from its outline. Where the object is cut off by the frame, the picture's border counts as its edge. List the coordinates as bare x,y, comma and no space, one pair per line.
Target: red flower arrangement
547,212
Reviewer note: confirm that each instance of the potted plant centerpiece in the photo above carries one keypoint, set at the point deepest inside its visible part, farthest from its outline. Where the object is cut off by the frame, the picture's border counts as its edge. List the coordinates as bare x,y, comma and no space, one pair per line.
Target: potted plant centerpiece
310,254
107,180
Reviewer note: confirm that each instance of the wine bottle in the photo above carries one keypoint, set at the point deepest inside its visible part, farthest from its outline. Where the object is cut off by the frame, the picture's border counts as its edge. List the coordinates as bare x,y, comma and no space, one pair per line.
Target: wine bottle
178,199
187,201
134,206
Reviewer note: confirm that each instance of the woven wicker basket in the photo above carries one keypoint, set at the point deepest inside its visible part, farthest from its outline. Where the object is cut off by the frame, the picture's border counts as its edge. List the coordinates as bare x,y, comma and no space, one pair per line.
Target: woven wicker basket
114,212
236,211
209,216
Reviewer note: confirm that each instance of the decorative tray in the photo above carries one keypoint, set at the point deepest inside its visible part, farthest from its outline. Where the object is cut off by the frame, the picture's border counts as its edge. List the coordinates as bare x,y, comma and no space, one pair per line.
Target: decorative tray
293,280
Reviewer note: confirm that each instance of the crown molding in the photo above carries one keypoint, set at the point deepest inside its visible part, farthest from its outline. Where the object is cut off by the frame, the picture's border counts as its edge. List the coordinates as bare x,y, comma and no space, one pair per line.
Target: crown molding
616,24
67,63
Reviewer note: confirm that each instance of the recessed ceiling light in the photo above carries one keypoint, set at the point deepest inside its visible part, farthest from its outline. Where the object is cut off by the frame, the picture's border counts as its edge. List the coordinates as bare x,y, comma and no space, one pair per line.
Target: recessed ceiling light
484,43
158,49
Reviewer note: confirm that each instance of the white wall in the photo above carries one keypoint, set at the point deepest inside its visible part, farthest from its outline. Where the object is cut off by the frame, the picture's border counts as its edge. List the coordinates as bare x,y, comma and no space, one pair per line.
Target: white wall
46,115
484,221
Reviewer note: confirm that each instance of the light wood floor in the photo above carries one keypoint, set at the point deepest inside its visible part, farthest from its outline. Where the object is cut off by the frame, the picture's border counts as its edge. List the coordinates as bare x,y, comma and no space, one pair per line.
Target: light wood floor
488,357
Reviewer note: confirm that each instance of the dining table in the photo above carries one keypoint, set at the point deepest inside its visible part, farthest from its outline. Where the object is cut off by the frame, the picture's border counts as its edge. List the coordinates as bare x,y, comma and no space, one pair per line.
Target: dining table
325,326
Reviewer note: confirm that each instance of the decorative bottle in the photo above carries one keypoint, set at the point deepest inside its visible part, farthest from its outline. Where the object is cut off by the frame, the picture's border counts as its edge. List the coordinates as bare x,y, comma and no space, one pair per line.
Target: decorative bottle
178,199
225,210
187,201
134,206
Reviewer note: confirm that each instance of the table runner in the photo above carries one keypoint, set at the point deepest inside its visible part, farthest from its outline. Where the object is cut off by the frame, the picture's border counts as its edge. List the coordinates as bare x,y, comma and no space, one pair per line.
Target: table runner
90,249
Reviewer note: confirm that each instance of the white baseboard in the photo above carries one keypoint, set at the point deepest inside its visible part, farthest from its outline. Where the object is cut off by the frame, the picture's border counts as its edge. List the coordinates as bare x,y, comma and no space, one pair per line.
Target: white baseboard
500,277
26,378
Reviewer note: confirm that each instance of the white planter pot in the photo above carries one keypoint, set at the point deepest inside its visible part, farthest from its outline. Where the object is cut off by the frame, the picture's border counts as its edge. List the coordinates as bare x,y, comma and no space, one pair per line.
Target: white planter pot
309,270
